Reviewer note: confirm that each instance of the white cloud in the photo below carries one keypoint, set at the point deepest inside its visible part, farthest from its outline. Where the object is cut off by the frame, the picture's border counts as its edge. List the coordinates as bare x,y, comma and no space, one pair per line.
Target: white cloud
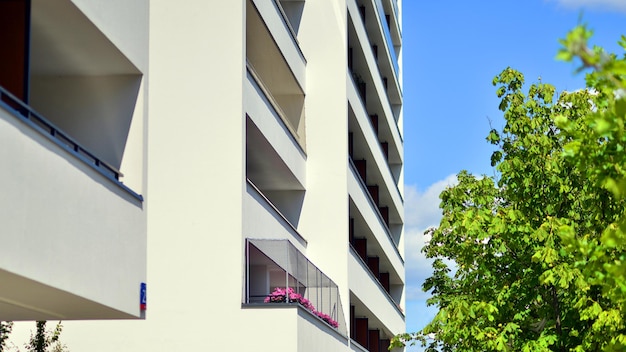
609,5
422,208
421,212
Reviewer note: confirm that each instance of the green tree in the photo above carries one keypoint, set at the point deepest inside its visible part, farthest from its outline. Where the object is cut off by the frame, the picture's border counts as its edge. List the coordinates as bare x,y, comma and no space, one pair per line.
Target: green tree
597,146
533,259
43,339
5,330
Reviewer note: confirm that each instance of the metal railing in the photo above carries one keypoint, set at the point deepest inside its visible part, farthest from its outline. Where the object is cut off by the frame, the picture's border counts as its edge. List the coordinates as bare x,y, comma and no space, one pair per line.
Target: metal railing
278,273
29,116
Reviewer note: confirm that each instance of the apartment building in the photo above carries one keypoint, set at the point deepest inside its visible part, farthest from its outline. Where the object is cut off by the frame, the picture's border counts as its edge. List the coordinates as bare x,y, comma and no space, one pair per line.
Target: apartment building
239,163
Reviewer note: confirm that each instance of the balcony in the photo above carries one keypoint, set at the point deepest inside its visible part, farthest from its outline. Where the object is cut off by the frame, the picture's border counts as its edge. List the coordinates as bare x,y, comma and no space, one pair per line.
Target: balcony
367,332
392,15
375,300
372,266
275,158
275,171
368,32
279,20
73,238
267,130
374,177
74,227
277,274
366,98
384,228
366,140
278,74
263,218
378,252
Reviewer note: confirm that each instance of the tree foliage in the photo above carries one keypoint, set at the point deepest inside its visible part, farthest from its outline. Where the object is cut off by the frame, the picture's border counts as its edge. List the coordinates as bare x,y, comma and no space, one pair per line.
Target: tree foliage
42,341
5,330
533,259
46,341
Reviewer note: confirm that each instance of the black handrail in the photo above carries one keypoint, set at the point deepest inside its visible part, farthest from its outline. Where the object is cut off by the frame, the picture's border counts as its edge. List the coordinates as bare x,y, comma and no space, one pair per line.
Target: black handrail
47,128
377,280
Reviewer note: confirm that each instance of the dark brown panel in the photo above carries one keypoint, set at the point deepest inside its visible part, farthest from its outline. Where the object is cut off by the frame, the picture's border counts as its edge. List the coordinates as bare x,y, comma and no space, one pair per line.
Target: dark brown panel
14,31
373,190
373,341
361,169
374,122
361,332
384,211
384,344
385,147
374,264
360,245
362,90
384,281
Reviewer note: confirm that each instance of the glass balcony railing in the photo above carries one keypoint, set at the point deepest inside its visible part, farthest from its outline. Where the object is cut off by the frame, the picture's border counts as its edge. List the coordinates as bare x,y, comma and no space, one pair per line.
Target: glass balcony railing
277,273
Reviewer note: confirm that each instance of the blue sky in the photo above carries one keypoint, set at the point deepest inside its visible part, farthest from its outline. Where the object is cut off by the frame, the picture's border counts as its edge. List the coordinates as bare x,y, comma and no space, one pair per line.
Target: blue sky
452,51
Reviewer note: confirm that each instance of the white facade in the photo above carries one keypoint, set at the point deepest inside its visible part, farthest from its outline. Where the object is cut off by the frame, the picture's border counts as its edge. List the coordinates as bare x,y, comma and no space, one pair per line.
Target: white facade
260,143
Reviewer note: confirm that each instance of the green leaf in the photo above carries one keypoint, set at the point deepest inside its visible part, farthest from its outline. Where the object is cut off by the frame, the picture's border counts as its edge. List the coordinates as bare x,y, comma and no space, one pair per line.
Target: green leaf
564,55
602,127
620,106
496,157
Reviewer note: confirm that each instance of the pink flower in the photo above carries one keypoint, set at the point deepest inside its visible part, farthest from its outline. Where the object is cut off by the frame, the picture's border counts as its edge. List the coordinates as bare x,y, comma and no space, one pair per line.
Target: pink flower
327,318
288,295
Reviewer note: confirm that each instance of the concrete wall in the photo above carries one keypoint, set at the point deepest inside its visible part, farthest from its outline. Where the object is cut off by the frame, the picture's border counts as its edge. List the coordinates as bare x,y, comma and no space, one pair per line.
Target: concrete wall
195,183
324,218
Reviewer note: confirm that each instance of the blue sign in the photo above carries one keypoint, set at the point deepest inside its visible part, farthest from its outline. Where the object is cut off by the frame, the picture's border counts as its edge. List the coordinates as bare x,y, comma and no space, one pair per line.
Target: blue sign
142,296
